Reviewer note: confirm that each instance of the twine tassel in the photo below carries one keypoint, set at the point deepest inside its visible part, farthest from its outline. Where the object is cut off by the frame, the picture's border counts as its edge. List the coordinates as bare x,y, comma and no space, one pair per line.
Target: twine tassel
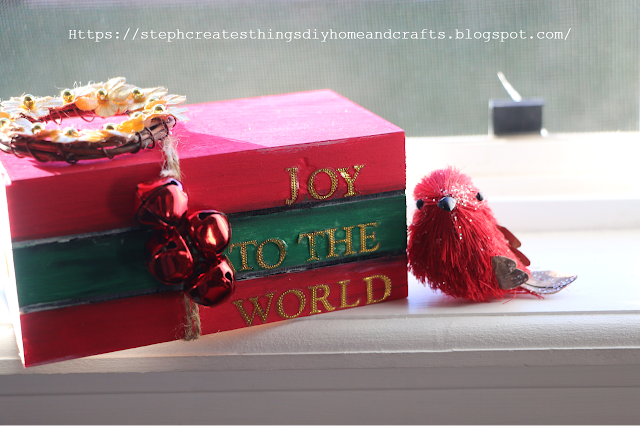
192,328
171,165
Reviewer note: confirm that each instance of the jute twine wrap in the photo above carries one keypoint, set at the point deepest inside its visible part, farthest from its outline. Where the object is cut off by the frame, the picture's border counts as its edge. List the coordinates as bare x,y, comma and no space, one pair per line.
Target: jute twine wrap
171,168
192,328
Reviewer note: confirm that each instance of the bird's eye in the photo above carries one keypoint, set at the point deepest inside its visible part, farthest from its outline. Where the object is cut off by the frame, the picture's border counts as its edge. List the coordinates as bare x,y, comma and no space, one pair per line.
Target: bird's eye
479,196
419,204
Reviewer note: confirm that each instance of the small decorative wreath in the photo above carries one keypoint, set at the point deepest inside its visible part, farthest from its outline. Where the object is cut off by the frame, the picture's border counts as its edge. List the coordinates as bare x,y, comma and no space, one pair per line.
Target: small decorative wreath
151,115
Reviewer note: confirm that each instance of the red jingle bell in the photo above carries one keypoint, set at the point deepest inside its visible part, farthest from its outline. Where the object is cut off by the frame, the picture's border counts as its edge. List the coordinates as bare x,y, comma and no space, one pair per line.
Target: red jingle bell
168,257
160,202
211,232
214,285
185,251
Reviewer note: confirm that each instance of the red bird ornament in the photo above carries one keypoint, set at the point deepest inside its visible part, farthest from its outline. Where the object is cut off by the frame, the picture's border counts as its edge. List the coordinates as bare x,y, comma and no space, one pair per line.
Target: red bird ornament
456,245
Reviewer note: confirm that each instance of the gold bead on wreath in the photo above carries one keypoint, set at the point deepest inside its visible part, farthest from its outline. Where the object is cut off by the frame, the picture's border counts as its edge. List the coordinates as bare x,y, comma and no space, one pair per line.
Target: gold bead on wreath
136,114
4,122
28,101
109,126
37,127
137,93
71,132
101,94
159,109
67,95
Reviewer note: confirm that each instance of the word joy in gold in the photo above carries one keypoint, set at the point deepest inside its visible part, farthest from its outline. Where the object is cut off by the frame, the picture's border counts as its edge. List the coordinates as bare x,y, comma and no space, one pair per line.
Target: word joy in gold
350,179
312,300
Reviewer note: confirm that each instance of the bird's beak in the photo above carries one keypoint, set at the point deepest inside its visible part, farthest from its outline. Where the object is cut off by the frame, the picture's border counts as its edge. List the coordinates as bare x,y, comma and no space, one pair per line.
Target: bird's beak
447,203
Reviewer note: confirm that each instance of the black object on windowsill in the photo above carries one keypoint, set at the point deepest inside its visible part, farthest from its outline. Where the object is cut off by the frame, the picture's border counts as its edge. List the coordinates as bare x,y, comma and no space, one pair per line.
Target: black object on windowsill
515,116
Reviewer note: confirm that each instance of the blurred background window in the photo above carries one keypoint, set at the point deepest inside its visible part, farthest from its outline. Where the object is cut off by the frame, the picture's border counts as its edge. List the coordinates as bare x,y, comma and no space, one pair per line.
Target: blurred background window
586,67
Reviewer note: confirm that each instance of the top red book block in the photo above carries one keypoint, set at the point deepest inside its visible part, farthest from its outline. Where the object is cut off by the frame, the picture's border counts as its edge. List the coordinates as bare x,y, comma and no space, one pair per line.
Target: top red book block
236,156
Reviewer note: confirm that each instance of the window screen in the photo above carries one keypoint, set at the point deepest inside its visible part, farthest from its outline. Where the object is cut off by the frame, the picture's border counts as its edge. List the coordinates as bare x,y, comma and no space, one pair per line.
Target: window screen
580,56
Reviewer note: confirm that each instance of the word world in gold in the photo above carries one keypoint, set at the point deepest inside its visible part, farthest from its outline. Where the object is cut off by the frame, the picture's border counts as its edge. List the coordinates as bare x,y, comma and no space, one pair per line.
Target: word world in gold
311,300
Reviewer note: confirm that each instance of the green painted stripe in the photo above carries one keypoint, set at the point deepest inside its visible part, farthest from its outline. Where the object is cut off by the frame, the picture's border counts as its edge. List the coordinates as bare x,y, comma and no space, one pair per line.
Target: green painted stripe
389,233
106,265
82,268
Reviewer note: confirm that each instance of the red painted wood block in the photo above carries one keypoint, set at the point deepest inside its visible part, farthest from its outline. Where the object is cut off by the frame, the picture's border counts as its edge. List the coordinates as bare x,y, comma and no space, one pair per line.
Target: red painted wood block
90,329
236,156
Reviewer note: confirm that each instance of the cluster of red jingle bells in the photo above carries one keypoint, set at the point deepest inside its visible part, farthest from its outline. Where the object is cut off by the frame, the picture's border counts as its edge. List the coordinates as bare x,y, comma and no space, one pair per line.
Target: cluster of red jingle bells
186,248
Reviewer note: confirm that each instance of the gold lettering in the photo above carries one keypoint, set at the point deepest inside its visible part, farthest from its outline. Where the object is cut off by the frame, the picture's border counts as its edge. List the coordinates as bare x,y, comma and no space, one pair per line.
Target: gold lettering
257,309
281,248
364,237
293,175
312,243
302,302
315,299
350,180
387,288
347,241
243,253
343,295
311,185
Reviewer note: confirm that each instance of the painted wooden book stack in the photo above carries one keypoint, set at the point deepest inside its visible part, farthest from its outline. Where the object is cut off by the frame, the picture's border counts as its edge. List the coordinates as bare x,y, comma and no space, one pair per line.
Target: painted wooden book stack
313,186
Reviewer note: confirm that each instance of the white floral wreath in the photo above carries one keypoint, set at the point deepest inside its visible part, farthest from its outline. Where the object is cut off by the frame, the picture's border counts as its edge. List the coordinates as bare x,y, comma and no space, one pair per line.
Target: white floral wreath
152,113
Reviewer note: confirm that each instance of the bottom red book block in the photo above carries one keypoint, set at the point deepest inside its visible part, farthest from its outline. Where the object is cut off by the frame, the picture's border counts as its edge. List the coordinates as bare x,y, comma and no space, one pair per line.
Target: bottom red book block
94,328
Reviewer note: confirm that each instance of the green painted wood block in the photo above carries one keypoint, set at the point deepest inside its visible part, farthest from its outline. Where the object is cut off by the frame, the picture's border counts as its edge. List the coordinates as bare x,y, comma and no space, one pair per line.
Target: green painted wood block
54,274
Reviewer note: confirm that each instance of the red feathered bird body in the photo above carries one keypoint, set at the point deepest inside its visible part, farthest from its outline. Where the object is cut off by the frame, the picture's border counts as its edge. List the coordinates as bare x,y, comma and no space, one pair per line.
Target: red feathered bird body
453,237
